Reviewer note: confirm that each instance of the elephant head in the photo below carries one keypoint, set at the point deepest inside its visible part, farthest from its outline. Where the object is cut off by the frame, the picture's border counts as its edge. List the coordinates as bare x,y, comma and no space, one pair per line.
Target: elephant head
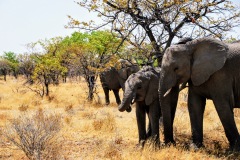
140,86
196,60
192,62
126,68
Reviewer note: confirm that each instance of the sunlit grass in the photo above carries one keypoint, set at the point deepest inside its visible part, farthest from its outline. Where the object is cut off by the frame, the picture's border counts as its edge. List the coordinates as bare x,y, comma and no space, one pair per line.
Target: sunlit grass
92,130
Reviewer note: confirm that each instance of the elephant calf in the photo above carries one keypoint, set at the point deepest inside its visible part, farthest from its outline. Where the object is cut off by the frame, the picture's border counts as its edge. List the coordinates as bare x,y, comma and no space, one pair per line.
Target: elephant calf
142,88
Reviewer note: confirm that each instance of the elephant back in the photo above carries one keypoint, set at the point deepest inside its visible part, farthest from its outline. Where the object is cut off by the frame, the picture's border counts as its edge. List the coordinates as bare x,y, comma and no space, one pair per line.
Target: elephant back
154,70
109,79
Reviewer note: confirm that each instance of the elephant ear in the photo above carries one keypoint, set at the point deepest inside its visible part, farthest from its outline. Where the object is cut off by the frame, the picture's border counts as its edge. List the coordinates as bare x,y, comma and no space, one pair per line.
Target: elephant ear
152,91
123,73
209,56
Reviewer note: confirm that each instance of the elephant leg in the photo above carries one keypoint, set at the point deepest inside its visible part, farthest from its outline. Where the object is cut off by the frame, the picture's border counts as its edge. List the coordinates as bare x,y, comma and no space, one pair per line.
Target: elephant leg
226,115
168,108
154,115
141,123
196,107
149,129
116,93
106,92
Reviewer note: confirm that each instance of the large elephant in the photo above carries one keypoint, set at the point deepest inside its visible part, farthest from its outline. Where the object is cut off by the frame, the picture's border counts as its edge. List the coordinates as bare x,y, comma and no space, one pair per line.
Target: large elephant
142,88
211,69
113,78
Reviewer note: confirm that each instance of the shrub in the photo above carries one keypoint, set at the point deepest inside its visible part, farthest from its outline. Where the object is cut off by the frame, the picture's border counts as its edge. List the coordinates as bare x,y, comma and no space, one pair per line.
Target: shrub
107,123
36,135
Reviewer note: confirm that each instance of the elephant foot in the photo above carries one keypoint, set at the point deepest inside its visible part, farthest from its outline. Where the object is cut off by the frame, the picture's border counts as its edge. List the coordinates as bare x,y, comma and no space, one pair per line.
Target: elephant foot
169,143
195,146
235,147
118,102
140,145
156,144
129,109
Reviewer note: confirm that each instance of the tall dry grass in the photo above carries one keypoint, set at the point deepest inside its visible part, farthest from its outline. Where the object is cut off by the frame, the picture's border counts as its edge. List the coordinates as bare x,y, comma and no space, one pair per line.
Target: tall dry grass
95,131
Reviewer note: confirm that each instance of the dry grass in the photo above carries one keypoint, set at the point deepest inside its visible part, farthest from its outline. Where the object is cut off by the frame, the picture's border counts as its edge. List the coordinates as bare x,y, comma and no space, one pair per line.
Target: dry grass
95,131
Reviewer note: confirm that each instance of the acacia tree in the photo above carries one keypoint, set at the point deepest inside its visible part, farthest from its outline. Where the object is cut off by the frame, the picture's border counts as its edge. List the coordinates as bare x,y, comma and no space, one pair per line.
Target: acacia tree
12,59
92,52
47,71
26,66
48,68
4,68
159,22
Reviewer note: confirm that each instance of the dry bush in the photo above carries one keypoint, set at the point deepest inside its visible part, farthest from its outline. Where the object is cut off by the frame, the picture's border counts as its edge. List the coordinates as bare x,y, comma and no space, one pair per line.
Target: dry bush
51,98
69,108
97,124
36,102
36,135
86,128
107,123
23,107
67,120
88,115
3,117
112,151
96,104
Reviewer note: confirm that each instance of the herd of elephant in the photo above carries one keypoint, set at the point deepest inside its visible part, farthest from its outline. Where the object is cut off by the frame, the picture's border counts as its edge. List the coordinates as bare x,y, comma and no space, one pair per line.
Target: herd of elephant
211,69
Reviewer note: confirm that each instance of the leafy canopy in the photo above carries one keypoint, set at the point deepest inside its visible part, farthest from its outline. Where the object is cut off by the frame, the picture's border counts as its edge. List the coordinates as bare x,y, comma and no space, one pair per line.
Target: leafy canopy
161,22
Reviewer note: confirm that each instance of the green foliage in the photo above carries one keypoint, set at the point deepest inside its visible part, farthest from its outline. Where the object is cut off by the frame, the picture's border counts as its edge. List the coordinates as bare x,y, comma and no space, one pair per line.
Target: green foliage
13,62
47,67
96,47
11,57
81,53
90,53
103,42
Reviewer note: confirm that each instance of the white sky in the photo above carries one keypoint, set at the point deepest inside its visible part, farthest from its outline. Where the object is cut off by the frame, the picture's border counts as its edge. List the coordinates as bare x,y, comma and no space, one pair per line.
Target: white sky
26,21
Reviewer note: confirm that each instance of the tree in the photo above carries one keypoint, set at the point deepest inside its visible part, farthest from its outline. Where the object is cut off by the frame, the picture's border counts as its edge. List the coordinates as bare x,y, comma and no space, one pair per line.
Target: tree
48,68
93,52
12,59
26,66
4,68
159,22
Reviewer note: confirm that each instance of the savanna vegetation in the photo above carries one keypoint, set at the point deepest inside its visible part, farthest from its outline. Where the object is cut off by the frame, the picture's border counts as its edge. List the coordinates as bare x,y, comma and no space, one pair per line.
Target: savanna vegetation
79,129
51,100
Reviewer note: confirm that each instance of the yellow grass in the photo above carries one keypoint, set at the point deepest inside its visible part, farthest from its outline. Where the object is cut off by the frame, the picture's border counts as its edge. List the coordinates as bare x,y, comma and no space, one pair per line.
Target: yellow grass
95,131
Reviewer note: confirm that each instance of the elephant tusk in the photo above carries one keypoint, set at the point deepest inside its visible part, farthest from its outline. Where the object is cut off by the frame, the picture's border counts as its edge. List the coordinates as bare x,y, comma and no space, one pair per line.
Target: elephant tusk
168,91
133,101
183,86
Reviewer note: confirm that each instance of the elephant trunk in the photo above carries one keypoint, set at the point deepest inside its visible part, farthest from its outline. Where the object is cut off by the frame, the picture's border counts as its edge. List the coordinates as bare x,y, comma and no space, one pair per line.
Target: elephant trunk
168,96
167,81
126,102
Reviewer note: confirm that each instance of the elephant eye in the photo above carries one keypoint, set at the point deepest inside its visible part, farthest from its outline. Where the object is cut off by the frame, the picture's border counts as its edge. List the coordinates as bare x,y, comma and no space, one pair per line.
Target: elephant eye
175,69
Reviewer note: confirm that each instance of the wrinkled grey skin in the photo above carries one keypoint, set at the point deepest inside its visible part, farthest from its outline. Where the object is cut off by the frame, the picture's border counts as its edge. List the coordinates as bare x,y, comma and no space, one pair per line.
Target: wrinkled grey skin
114,79
142,88
212,71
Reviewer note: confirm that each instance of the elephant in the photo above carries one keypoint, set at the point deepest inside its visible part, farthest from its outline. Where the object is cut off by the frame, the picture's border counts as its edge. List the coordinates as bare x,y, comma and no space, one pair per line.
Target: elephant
113,78
210,67
142,88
